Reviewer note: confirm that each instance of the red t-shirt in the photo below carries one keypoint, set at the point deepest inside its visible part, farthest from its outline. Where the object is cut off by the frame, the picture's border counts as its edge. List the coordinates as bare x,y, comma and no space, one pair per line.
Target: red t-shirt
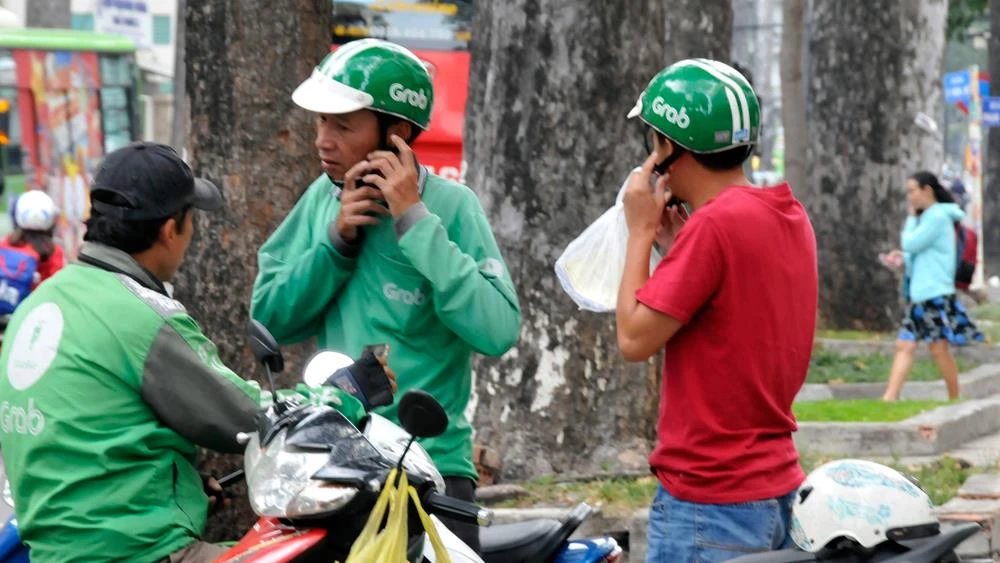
47,268
742,278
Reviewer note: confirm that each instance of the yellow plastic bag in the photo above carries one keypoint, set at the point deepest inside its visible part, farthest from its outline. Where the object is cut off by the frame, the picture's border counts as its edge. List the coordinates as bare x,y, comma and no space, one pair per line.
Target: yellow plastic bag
388,545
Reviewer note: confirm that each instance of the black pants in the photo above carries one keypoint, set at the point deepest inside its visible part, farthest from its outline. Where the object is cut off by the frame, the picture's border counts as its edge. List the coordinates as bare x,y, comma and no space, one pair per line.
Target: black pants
462,488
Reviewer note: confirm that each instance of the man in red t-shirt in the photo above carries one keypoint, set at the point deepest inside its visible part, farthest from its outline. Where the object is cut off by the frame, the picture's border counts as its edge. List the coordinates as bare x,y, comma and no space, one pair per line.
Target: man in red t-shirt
734,305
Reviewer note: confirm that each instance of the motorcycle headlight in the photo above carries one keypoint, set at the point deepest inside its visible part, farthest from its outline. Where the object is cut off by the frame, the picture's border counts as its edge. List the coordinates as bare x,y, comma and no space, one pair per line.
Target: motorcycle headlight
280,481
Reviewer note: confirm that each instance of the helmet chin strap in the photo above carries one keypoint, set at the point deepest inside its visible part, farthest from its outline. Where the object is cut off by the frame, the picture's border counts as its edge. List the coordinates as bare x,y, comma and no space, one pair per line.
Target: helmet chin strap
662,167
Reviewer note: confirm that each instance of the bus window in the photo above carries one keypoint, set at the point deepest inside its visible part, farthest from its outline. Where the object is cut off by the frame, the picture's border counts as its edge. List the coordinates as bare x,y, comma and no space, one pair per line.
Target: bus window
118,124
415,24
10,154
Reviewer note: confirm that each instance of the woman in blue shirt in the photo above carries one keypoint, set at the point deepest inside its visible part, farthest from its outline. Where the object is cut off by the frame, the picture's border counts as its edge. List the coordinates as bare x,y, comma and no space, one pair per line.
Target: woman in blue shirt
933,314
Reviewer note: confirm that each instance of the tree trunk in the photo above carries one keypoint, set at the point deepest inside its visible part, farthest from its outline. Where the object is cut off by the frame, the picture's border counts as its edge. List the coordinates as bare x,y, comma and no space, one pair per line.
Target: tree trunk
244,59
991,179
921,89
862,144
178,126
47,13
548,146
793,94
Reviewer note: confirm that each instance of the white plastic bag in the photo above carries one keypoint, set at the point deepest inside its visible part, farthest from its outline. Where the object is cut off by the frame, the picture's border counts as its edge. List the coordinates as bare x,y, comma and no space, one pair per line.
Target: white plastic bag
590,269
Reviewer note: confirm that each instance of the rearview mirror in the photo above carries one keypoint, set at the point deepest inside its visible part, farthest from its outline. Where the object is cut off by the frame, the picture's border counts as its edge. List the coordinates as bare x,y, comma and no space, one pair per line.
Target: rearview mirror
265,348
421,415
320,367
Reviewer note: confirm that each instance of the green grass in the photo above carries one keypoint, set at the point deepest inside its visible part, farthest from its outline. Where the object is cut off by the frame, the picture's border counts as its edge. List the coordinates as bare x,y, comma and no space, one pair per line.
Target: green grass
988,312
987,319
620,497
827,366
860,410
852,335
615,496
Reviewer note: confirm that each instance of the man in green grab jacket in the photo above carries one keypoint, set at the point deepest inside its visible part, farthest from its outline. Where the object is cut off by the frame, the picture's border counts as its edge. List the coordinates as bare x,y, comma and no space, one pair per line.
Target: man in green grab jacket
107,385
378,250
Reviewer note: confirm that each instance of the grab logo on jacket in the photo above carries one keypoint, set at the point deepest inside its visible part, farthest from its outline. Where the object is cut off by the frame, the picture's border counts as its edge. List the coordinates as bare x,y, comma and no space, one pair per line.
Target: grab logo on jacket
393,292
35,346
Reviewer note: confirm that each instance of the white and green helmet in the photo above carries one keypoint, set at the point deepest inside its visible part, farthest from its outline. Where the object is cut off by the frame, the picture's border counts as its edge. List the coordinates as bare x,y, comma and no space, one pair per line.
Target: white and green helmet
703,105
370,74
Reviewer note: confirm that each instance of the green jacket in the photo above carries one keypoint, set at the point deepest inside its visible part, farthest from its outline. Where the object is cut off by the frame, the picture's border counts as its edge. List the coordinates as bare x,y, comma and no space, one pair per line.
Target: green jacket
431,284
107,387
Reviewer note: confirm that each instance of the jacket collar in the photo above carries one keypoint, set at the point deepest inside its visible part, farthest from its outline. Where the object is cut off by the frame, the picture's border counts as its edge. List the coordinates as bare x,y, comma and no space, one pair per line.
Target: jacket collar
114,260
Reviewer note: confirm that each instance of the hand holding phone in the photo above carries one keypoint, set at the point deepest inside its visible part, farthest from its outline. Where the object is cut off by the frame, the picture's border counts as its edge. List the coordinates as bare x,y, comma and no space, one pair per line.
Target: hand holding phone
360,204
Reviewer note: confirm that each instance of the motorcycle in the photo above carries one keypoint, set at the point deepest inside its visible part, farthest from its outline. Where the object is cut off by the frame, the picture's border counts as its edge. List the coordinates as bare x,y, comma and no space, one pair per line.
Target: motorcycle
11,548
313,478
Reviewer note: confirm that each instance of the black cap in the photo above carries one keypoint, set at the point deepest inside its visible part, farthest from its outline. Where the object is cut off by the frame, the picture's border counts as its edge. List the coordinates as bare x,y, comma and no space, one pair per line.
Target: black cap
154,181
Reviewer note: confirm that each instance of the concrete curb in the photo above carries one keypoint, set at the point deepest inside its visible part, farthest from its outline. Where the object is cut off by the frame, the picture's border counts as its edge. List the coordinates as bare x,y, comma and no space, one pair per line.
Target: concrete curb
929,433
978,501
981,353
978,383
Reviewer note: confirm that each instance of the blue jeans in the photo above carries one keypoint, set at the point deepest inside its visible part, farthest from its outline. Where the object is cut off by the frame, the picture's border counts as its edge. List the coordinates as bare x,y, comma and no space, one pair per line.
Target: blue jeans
687,532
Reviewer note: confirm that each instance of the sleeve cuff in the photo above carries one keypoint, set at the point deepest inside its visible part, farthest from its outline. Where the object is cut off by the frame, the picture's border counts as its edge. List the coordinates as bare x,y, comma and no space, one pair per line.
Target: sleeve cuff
346,249
406,221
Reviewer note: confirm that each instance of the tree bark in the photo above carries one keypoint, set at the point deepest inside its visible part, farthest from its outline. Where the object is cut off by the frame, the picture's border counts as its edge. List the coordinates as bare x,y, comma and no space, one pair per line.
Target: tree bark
921,90
178,127
47,13
991,178
244,59
548,146
793,94
863,144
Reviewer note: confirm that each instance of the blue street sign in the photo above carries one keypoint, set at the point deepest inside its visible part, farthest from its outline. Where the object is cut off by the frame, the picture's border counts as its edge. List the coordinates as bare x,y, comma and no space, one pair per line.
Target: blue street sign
957,87
991,111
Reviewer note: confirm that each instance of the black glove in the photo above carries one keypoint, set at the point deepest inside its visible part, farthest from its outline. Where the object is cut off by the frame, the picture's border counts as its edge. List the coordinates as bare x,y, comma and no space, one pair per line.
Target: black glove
366,380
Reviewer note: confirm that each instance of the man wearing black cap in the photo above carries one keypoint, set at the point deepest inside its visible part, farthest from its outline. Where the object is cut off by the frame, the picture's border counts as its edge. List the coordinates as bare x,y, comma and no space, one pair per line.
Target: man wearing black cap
107,384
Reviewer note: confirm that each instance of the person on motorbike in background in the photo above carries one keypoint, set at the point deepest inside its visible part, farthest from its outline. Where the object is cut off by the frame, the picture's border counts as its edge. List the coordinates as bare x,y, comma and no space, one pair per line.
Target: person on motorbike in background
34,217
733,303
29,255
379,250
109,385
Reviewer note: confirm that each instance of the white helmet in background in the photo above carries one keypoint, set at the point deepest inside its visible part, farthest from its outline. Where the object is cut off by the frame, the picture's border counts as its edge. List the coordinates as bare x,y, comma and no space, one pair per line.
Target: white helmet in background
863,501
34,210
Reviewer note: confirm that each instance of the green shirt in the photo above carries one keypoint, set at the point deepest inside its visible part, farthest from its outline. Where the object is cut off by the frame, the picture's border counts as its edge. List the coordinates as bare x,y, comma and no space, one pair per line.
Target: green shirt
431,284
107,388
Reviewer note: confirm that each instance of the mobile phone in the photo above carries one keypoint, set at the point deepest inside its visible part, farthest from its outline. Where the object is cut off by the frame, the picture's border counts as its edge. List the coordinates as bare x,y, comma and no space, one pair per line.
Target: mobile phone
378,351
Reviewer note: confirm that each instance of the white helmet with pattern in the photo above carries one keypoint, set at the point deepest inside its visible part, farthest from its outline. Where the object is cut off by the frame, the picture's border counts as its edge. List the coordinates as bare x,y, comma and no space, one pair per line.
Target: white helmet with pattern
862,501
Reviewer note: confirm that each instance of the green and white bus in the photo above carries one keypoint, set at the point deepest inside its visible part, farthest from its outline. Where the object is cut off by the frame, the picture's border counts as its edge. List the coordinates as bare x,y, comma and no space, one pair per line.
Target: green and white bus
67,98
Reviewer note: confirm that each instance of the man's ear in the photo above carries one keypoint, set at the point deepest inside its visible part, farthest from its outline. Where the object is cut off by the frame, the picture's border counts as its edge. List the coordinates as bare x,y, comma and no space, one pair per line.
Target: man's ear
168,231
668,144
402,128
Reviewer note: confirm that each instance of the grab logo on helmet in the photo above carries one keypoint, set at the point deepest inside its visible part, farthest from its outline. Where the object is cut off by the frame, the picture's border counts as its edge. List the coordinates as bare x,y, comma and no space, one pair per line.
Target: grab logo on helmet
670,113
439,36
401,93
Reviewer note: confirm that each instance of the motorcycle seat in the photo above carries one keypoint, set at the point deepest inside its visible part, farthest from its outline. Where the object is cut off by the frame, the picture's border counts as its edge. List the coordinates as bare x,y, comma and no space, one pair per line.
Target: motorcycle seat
517,542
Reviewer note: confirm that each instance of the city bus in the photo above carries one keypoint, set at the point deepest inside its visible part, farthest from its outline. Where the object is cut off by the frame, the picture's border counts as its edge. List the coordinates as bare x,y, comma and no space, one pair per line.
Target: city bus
67,98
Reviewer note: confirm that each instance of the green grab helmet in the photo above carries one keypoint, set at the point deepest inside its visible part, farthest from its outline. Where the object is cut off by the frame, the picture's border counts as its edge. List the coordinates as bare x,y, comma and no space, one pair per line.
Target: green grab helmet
370,74
702,105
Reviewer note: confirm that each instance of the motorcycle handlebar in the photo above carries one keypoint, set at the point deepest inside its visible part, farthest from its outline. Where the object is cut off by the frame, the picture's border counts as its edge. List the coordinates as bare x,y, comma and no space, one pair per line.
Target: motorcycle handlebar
467,512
